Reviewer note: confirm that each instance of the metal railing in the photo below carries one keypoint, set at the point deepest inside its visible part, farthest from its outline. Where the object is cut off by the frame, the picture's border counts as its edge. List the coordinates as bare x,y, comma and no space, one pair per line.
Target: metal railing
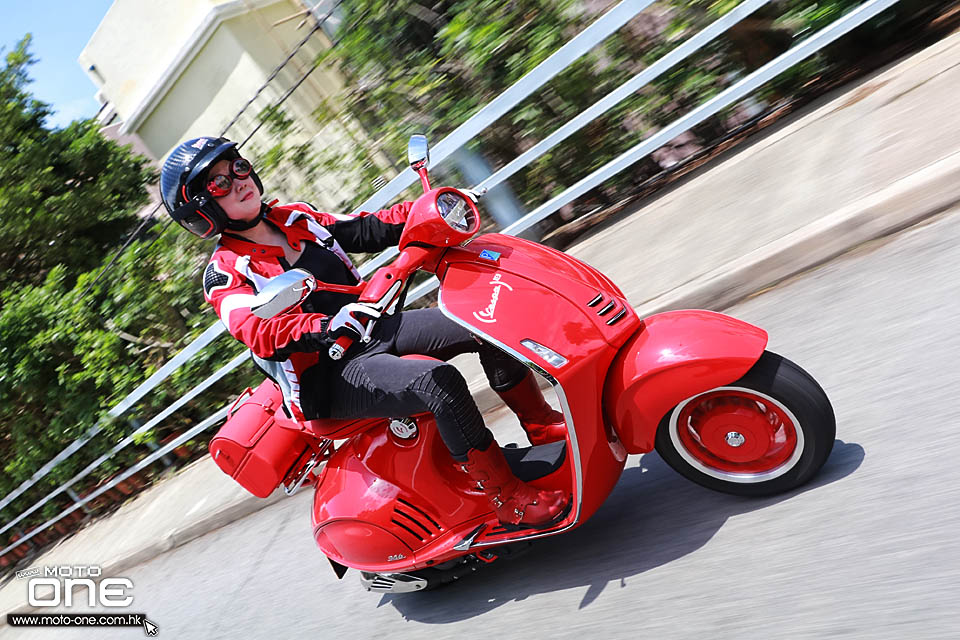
560,60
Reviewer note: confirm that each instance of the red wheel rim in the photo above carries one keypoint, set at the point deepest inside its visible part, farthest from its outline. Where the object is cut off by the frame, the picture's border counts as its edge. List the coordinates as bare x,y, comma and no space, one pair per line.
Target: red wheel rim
737,434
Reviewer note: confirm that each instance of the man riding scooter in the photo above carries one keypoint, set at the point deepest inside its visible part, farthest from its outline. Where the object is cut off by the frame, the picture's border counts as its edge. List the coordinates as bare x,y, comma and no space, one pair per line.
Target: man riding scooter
211,190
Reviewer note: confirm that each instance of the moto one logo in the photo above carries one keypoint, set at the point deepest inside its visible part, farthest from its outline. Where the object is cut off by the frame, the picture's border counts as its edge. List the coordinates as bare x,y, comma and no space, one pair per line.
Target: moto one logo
60,585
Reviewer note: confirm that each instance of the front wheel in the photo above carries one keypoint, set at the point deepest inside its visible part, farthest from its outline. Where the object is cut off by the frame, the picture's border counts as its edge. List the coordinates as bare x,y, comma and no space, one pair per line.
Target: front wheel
766,433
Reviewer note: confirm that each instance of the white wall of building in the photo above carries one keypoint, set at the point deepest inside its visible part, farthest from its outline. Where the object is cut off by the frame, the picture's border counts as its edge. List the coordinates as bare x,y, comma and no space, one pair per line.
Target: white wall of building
180,69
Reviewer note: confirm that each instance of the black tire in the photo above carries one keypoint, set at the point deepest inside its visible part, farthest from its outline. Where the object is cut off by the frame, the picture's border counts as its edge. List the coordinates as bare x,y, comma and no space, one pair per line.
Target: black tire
796,397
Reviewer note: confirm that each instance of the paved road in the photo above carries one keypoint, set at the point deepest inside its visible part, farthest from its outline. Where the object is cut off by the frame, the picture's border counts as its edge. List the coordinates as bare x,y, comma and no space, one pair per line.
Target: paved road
871,549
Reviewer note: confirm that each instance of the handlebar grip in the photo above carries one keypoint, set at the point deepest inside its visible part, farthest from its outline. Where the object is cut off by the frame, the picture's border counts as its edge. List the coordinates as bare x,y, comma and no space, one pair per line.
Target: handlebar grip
338,348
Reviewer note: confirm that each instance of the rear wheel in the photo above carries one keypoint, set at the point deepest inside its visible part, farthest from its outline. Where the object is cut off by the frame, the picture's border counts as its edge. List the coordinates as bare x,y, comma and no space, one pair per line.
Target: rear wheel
768,432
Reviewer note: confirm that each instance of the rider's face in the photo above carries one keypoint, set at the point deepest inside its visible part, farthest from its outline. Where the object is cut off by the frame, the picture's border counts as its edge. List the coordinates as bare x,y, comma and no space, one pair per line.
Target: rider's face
242,203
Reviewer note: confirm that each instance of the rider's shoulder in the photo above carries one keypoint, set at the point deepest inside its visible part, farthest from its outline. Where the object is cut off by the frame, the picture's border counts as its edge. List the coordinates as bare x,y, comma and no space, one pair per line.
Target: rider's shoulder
224,257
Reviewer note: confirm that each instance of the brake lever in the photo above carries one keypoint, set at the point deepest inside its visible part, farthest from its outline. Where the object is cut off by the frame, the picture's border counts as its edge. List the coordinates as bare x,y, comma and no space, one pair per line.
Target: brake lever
366,337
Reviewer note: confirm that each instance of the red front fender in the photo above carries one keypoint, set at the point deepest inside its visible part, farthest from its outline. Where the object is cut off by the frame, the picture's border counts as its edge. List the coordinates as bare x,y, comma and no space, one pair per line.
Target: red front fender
675,355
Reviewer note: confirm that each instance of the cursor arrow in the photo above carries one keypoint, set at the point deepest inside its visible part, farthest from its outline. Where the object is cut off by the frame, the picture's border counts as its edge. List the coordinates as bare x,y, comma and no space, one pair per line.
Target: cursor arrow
149,628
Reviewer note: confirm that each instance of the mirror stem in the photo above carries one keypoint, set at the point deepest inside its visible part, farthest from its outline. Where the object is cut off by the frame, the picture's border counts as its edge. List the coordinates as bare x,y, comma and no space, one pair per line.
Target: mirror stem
424,179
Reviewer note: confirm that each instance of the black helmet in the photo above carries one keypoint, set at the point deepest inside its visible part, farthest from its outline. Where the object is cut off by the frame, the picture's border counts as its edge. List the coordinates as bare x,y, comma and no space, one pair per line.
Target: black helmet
183,193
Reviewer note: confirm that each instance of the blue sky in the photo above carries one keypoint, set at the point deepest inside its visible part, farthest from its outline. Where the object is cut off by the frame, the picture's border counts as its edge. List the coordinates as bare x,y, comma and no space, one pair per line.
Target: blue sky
60,30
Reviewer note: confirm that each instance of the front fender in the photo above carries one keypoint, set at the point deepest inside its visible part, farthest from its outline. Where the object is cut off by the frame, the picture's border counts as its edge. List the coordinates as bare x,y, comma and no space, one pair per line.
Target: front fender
673,356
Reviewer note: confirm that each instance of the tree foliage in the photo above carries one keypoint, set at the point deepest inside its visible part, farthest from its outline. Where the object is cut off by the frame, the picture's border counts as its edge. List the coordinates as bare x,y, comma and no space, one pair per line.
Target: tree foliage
71,349
67,195
416,67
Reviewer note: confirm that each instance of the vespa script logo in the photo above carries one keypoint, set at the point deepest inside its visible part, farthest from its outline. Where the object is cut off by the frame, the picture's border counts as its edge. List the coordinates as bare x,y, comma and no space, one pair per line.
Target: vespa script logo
487,314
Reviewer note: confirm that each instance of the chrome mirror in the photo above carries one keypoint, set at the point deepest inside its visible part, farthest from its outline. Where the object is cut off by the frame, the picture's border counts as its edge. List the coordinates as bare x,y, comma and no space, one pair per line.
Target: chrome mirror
283,292
418,152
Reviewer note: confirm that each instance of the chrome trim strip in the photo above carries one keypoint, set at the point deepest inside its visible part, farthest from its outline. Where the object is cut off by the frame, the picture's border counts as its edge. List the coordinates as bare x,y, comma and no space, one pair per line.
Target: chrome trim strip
464,544
564,406
596,300
607,309
614,319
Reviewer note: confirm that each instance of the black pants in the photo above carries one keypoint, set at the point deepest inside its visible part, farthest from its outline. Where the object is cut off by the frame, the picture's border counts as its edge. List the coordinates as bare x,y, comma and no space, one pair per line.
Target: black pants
377,382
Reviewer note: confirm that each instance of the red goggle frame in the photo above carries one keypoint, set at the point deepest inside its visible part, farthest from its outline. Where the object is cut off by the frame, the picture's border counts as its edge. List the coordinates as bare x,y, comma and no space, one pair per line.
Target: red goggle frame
219,186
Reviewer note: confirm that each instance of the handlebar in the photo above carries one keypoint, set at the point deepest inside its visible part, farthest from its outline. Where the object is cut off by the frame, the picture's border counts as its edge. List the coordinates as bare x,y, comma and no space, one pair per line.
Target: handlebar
338,348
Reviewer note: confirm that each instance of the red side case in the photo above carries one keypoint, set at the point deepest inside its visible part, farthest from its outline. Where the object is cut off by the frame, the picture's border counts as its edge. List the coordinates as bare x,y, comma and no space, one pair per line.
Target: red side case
253,447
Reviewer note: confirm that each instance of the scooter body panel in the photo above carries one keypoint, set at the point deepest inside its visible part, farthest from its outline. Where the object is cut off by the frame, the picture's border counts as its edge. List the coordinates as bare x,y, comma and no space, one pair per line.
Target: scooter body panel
386,504
507,290
675,355
554,300
382,498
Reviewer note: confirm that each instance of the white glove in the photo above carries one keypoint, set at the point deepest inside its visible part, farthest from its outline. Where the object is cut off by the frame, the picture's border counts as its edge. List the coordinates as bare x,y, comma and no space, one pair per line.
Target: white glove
352,320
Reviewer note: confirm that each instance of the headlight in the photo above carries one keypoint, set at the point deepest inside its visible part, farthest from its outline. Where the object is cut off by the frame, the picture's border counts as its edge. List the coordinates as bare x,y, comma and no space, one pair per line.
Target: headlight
455,211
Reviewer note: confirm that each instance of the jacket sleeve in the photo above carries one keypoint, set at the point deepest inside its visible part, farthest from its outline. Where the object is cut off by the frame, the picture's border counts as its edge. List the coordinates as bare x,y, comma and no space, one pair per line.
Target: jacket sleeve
272,339
372,232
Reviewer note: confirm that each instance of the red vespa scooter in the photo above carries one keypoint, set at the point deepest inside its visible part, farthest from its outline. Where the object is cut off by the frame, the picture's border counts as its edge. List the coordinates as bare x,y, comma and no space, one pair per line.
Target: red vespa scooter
696,385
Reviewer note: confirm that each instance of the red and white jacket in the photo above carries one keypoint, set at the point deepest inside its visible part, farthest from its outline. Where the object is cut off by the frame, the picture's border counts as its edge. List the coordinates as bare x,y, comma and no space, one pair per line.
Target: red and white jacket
293,344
